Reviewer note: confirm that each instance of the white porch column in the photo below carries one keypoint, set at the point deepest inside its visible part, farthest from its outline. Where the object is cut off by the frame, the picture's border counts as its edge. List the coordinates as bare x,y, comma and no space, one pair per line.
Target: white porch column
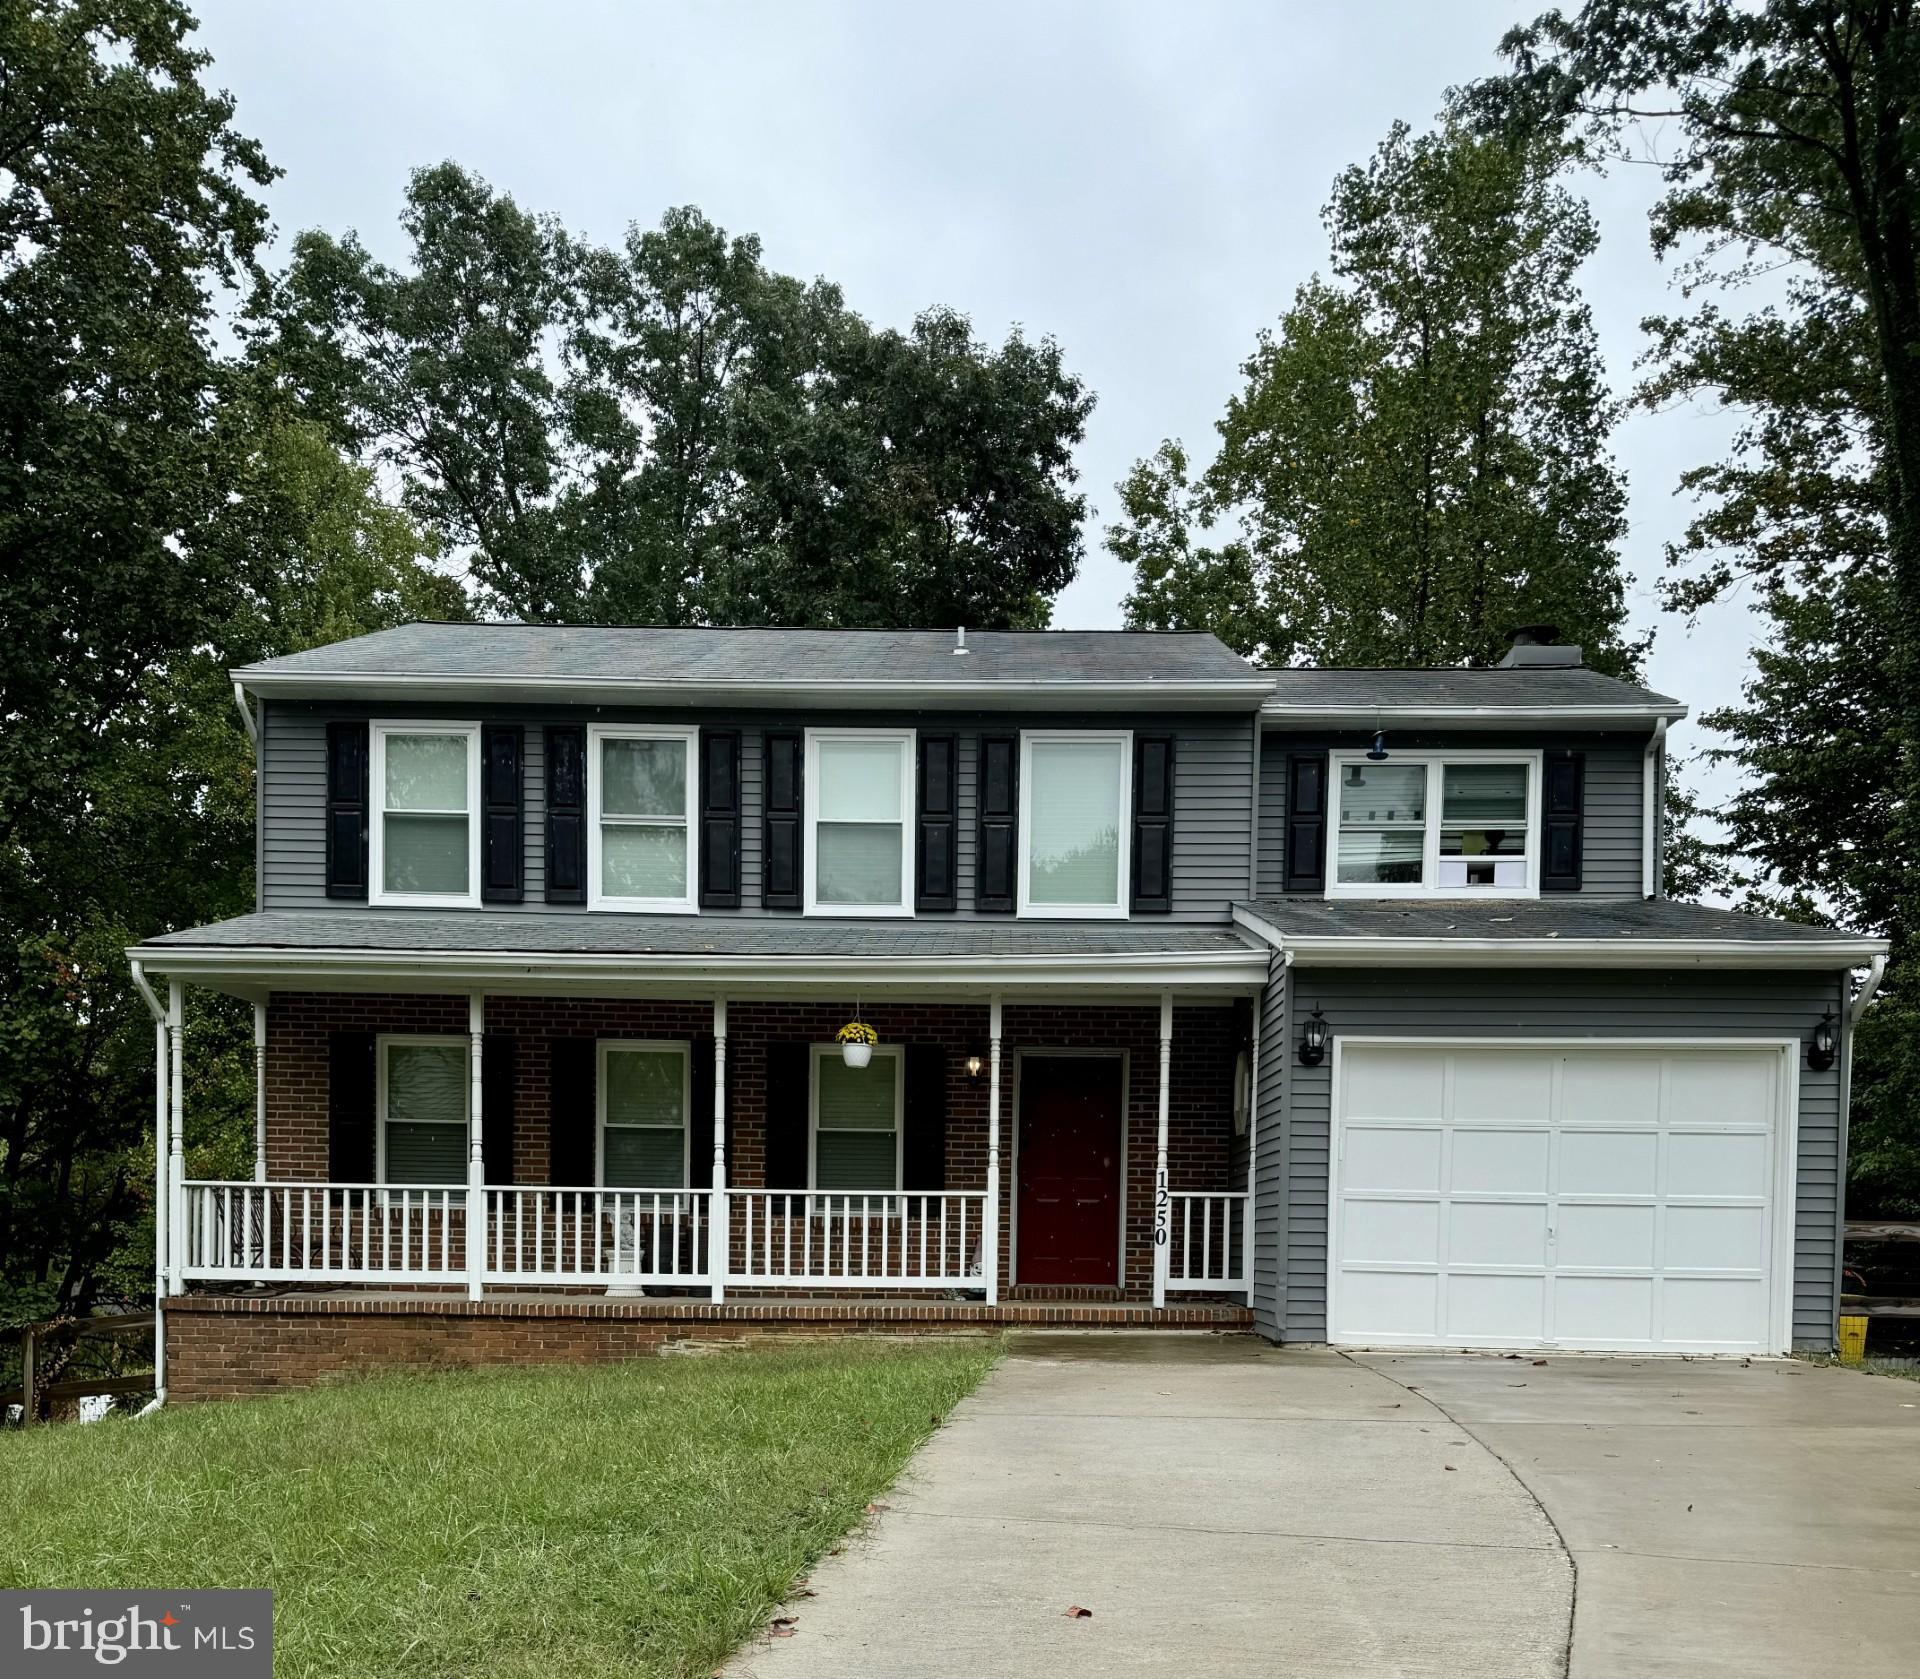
162,1175
259,1092
719,1230
476,1166
990,1222
1162,1203
176,1140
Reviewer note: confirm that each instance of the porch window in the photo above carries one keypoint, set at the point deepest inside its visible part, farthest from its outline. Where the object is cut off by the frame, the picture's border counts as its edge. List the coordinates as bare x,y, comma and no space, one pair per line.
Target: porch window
423,1092
642,789
645,1092
858,786
1436,825
1075,801
425,842
857,1120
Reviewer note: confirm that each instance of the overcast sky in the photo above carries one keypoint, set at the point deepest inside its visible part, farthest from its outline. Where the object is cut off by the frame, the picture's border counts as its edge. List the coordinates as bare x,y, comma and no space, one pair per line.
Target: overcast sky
1142,182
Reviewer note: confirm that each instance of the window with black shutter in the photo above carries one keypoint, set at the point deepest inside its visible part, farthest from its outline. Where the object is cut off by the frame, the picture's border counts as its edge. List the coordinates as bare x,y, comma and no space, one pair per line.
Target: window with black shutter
782,854
571,1118
996,860
1564,816
937,868
566,756
499,1074
347,752
1306,859
351,1107
502,754
720,818
1152,824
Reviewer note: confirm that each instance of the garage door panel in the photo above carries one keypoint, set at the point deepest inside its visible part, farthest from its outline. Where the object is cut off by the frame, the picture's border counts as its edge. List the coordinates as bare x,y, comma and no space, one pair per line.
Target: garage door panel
1393,1160
1602,1311
1716,1238
1599,1236
1717,1163
1487,1309
1392,1305
1498,1162
1586,1196
1390,1232
1497,1233
1609,1162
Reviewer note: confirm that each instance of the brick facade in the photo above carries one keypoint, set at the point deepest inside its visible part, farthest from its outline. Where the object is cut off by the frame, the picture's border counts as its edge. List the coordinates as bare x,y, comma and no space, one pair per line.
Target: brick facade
234,1348
1201,1144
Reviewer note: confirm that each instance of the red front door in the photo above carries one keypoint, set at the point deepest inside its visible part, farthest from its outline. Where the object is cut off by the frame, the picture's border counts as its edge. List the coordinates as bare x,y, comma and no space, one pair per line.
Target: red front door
1069,1185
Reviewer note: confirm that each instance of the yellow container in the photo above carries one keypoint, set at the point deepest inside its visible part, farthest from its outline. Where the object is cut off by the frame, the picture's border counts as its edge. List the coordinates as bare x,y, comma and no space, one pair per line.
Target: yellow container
1853,1338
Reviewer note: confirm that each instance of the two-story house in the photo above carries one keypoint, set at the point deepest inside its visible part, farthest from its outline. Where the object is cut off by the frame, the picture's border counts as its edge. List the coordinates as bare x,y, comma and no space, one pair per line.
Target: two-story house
1341,1005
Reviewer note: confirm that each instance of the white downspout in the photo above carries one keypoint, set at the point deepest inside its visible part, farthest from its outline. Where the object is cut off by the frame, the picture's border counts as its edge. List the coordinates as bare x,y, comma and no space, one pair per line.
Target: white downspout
160,1195
246,711
1651,812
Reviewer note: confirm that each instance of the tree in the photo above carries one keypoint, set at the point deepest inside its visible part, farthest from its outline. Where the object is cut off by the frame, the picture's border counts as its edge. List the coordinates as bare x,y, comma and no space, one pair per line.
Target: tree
1789,136
1418,460
670,432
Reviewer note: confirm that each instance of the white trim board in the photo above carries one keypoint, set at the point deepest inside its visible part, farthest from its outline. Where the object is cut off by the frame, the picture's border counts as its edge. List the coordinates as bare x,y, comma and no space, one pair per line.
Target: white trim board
1784,1156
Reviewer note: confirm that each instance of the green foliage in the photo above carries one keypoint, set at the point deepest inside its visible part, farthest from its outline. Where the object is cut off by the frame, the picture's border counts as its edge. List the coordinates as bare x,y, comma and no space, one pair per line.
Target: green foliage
1418,460
671,433
642,1519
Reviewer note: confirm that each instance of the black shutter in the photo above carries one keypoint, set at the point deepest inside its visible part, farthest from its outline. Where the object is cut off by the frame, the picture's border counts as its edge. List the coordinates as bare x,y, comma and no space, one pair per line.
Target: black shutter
499,1065
1306,822
719,818
567,814
1563,809
503,750
1152,824
923,1149
788,1079
350,1107
570,1112
347,810
783,855
996,857
700,1117
937,867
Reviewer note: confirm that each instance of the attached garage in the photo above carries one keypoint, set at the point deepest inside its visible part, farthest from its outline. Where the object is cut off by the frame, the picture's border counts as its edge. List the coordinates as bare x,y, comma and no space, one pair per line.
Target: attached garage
1626,1196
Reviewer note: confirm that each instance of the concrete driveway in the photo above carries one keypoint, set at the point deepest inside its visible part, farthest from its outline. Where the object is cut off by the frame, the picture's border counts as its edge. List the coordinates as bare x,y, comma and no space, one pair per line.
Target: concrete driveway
1229,1508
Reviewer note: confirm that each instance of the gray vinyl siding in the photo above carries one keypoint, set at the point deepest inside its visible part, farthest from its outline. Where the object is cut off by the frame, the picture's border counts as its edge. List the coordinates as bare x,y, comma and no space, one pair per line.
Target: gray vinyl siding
1212,811
1612,833
1270,1155
1290,1261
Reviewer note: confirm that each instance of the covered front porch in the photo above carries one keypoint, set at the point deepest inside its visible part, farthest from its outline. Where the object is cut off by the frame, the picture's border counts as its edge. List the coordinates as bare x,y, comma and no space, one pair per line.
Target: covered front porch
1027,1147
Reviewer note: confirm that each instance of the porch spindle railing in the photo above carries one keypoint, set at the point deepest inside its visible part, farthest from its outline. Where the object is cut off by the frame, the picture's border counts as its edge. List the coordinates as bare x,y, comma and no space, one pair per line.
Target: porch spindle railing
870,1240
1207,1241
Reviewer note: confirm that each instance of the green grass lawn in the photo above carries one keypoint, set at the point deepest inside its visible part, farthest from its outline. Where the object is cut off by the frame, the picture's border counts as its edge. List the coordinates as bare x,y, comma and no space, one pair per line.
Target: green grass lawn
640,1518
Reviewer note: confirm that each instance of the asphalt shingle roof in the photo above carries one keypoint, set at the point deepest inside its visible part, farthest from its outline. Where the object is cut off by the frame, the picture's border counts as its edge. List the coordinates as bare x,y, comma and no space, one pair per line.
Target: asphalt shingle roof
537,933
760,656
1526,918
1341,690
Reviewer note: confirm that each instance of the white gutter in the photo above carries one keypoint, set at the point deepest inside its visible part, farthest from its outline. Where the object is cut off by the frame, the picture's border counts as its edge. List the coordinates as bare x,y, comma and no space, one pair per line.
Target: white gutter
1650,811
1876,972
161,1197
246,711
1275,714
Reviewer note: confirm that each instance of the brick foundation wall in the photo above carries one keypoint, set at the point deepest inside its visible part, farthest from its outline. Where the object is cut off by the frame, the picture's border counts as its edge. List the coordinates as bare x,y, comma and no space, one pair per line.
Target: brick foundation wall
1200,1130
220,1347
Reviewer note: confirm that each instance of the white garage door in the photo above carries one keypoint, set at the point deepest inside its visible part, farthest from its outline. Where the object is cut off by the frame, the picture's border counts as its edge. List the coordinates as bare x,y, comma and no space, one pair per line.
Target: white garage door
1601,1198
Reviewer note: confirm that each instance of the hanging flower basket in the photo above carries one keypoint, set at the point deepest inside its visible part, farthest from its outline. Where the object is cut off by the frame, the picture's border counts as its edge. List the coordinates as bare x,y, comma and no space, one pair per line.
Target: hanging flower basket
857,1039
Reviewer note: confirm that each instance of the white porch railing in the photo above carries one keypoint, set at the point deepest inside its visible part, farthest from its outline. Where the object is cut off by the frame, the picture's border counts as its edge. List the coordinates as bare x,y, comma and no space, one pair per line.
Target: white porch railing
878,1240
323,1232
1207,1240
536,1234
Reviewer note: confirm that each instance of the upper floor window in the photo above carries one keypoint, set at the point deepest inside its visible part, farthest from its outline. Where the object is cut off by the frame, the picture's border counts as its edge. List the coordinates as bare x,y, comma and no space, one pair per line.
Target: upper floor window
641,784
1444,825
859,791
645,1091
425,842
1076,797
423,1093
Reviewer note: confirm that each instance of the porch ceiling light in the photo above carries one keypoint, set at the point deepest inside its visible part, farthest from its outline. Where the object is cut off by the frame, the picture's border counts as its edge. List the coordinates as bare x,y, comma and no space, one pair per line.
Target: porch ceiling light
1820,1052
1378,751
1313,1040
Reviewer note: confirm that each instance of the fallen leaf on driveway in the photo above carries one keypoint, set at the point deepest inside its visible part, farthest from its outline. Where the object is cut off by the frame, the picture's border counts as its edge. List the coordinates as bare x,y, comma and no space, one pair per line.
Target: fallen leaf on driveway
781,1626
1449,1468
876,1507
1539,1361
1076,1613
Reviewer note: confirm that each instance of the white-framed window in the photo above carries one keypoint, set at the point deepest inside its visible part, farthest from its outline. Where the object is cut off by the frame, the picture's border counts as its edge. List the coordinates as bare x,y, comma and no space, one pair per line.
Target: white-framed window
1435,824
424,844
422,1091
857,1120
645,1093
640,844
1076,822
859,812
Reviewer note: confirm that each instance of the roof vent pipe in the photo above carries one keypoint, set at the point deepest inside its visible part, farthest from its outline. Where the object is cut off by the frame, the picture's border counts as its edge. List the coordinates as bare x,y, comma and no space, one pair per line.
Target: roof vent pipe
1537,647
960,639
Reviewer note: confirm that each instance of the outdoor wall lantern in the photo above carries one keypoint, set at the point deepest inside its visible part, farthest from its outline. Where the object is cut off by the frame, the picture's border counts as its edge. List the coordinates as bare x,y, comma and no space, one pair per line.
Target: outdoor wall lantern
1821,1051
1313,1040
973,1066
